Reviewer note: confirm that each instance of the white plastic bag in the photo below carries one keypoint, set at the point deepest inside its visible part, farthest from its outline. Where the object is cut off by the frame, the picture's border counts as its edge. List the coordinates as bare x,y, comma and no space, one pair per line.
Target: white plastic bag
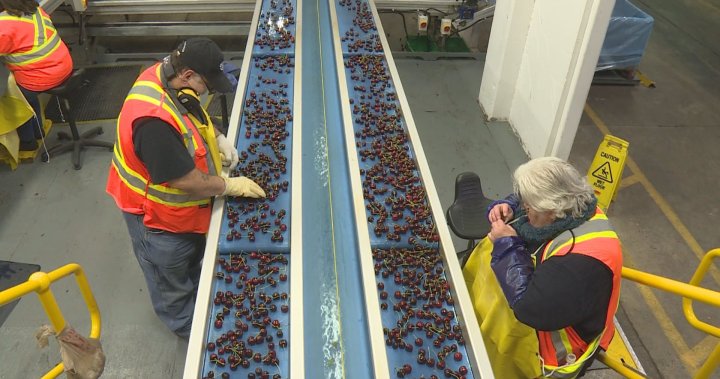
82,357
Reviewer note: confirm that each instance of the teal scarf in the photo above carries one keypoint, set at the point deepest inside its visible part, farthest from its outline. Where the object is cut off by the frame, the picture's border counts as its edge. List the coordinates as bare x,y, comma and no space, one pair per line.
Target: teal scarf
534,237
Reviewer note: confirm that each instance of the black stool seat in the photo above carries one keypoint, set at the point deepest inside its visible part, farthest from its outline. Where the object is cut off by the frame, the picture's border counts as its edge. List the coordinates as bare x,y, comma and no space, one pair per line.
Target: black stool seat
75,141
466,216
75,81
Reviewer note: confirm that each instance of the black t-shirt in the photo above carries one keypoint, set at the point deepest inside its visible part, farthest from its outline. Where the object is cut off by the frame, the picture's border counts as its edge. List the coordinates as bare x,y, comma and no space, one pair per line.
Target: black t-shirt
569,290
160,147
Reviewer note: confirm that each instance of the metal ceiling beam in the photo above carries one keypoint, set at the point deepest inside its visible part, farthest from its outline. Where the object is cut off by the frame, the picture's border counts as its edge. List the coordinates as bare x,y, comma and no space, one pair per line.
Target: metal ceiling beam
136,29
109,7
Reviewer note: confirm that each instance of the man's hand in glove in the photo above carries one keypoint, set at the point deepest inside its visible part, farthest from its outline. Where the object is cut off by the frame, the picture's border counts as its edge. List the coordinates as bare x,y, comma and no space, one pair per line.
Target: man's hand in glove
228,153
242,186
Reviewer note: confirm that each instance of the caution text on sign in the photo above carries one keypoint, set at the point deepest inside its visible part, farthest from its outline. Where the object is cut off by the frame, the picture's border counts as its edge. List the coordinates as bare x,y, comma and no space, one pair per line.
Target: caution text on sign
606,169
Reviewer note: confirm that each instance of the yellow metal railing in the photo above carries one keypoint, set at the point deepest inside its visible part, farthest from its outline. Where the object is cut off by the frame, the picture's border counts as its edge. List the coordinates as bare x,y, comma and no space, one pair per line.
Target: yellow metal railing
714,359
39,282
690,292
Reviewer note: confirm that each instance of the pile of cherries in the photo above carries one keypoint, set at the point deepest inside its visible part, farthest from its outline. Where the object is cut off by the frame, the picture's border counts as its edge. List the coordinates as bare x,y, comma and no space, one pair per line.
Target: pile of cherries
246,321
355,44
415,297
395,198
363,17
273,26
267,116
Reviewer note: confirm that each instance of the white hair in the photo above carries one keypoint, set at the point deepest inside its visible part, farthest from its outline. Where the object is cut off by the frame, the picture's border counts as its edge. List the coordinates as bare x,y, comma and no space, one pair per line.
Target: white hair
551,184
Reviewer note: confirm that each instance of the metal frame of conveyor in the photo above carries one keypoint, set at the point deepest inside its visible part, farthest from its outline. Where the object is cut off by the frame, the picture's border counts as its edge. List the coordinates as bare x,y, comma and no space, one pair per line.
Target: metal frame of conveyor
203,317
385,365
153,23
108,7
50,5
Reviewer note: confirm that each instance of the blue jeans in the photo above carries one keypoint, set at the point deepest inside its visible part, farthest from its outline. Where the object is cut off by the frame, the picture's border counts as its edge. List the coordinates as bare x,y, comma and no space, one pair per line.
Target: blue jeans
171,263
31,129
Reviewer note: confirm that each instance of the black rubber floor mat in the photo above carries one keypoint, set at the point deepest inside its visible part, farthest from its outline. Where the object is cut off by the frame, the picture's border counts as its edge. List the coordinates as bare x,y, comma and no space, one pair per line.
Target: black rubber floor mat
103,97
12,274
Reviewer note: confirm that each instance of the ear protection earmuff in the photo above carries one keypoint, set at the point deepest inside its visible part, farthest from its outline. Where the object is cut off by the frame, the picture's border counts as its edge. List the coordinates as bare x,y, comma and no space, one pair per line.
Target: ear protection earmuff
186,96
191,101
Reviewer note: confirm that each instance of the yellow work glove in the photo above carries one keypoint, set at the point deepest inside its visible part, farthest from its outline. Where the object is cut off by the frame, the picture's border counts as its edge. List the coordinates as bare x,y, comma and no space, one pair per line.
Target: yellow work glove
242,186
228,152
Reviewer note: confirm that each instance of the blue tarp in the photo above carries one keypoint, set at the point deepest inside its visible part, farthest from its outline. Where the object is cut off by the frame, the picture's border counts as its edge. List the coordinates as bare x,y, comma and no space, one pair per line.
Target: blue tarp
626,38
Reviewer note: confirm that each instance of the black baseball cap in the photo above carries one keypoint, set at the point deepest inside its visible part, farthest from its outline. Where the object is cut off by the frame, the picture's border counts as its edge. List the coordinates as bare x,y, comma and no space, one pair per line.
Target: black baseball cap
203,56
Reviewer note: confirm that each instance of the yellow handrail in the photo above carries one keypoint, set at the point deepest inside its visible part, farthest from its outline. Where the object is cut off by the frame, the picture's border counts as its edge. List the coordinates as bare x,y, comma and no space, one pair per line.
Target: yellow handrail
690,292
673,286
40,282
687,302
714,359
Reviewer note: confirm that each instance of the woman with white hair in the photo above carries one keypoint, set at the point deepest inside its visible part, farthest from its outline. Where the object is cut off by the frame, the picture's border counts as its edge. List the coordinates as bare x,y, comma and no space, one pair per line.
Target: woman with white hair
558,263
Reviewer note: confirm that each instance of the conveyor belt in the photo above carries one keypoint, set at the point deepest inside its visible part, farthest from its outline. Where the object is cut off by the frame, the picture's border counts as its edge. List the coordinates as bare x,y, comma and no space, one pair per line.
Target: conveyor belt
303,261
131,18
245,324
409,264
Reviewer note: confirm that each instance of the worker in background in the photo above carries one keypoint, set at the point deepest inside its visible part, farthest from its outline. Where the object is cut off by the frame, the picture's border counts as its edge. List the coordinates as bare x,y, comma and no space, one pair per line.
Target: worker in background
558,262
166,170
32,50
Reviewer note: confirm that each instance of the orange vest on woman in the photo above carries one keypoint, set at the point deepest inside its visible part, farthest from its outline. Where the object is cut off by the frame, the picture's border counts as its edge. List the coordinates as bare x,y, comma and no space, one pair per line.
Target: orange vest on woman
31,48
129,182
563,352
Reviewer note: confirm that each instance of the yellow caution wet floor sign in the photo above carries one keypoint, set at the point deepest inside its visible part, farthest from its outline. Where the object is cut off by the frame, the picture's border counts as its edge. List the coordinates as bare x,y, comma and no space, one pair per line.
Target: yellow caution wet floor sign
606,169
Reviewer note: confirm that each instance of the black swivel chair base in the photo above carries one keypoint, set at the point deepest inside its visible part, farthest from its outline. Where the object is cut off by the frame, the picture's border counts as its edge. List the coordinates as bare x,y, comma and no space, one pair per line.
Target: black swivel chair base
77,145
75,141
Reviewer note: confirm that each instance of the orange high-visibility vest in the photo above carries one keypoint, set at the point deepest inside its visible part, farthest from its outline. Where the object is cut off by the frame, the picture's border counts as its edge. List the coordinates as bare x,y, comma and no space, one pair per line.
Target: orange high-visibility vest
563,352
129,182
31,48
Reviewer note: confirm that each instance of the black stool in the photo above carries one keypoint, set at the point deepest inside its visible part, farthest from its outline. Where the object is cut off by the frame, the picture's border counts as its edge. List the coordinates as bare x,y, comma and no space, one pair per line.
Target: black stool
75,142
466,216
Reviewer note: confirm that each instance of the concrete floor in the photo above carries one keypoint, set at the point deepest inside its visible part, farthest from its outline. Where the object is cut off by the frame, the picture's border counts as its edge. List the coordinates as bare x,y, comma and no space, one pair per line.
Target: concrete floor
666,214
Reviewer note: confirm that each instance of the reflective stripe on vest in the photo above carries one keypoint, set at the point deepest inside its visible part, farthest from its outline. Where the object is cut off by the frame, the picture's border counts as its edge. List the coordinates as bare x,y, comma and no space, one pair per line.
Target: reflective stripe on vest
567,371
42,47
159,194
152,93
597,228
562,345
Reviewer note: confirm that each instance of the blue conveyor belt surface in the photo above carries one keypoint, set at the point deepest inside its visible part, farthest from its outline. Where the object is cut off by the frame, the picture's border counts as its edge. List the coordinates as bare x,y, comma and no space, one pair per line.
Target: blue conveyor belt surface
250,324
264,145
248,330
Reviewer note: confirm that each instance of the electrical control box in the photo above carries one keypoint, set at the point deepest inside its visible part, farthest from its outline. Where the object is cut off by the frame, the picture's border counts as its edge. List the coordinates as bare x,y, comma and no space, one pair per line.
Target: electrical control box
445,26
422,22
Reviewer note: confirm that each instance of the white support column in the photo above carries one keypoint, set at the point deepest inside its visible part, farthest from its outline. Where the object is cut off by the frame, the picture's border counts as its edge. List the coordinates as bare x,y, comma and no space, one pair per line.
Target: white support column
504,56
539,66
